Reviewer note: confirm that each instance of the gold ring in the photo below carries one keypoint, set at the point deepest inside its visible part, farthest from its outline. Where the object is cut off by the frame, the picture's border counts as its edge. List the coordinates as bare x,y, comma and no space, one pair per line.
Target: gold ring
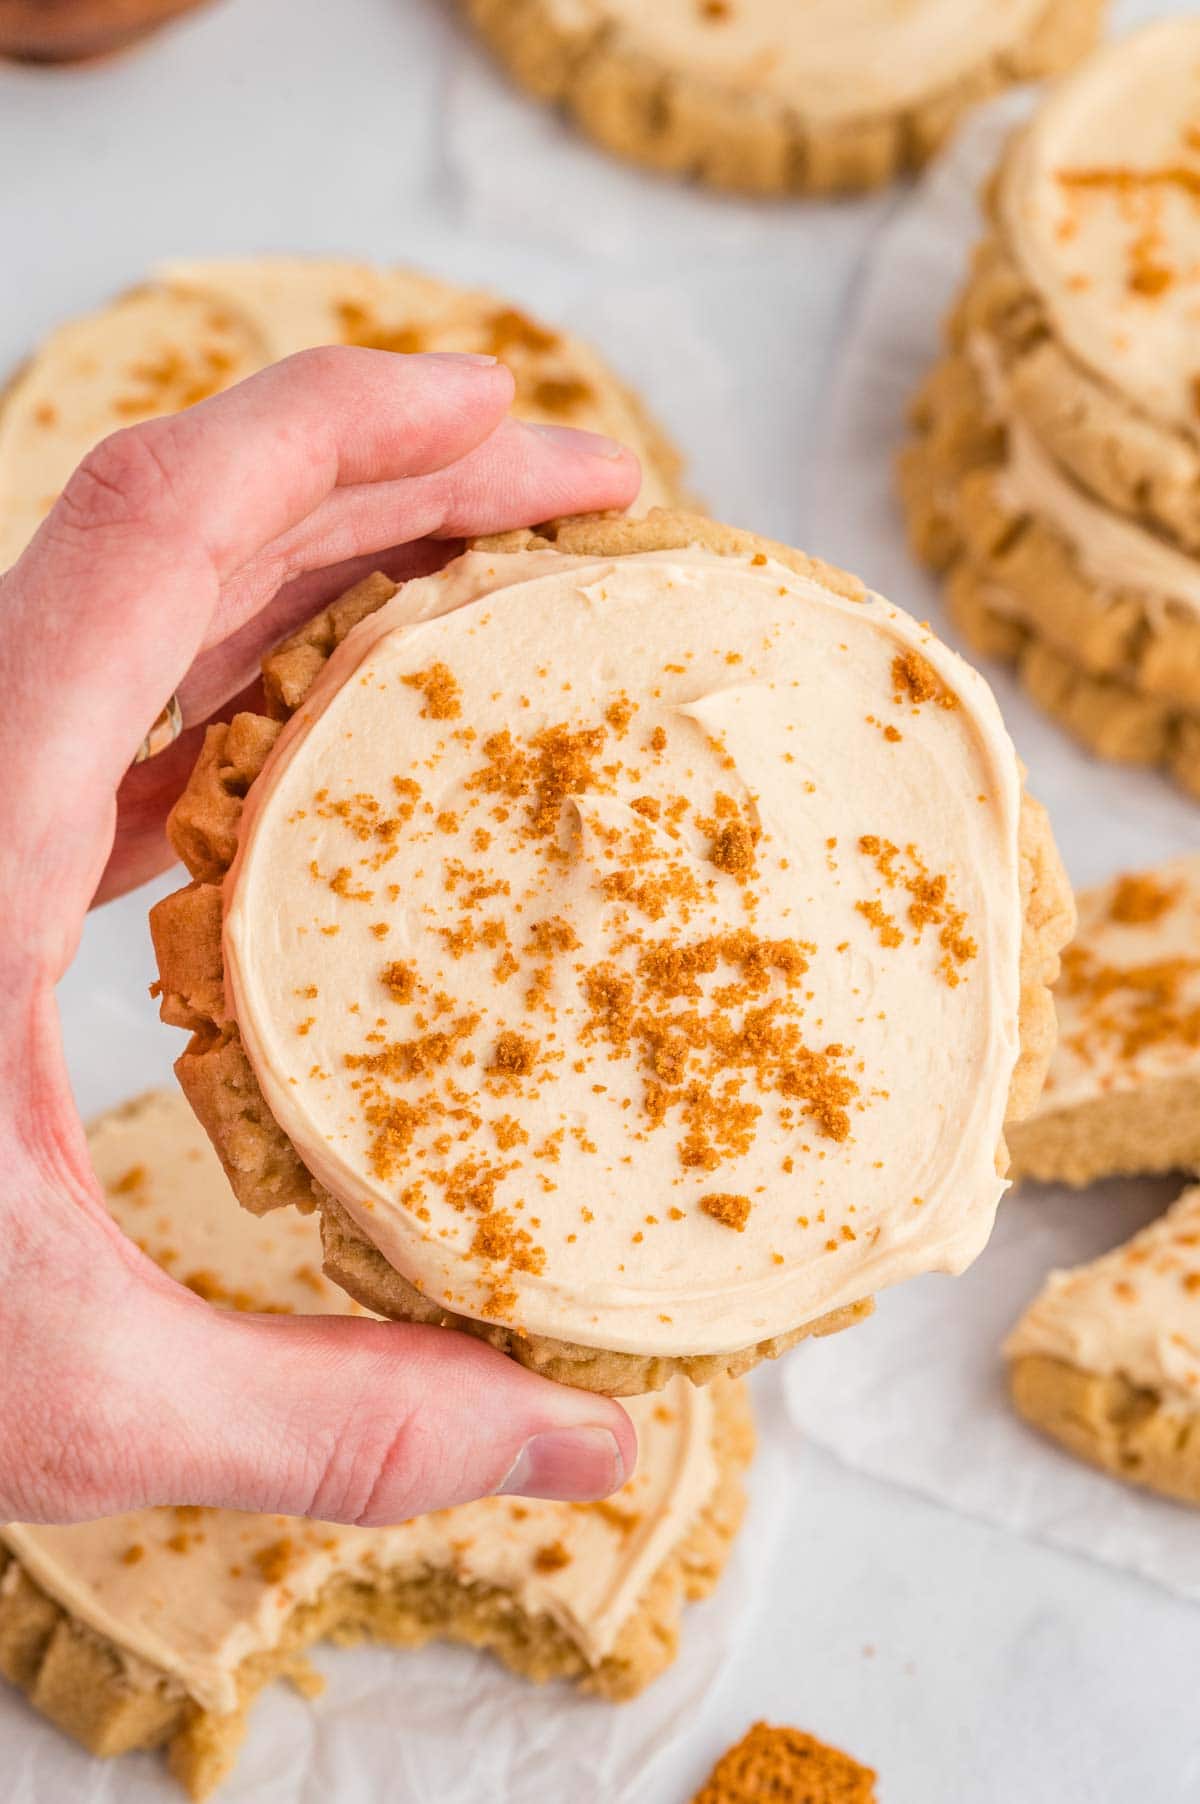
164,732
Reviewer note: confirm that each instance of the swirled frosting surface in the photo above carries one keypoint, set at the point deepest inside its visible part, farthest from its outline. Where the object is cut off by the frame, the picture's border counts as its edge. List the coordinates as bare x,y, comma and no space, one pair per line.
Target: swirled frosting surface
631,945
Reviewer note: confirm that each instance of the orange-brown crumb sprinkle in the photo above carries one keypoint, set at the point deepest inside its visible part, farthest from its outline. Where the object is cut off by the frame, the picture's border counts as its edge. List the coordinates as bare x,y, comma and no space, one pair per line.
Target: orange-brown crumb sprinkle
1140,899
439,686
883,923
730,1209
1131,1007
551,1558
514,1055
276,1560
930,903
914,676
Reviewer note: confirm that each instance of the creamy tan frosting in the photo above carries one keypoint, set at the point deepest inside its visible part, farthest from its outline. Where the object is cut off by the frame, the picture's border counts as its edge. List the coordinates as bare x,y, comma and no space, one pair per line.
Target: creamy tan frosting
194,1592
832,59
1133,1314
1113,550
1128,999
195,328
631,948
1100,198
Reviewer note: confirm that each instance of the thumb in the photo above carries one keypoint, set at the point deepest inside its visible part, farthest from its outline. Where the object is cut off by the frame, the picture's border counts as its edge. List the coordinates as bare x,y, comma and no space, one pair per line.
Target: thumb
351,1420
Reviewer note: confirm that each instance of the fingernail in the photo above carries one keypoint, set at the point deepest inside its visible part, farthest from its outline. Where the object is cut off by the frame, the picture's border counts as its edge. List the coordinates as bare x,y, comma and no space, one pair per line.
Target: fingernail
476,357
572,438
566,1465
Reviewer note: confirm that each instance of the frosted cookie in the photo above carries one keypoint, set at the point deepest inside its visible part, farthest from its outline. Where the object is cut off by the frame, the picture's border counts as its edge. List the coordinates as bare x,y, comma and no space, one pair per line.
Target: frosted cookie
1056,472
771,1762
159,1627
634,944
195,328
1122,1094
63,31
779,96
1107,1358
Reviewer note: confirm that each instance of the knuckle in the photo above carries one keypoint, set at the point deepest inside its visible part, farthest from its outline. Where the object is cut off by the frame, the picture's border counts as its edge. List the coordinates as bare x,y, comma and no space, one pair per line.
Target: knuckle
369,1474
123,481
319,363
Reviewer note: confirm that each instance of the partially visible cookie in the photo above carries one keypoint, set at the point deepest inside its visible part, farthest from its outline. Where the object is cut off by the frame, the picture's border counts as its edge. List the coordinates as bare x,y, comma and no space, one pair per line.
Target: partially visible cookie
159,1627
1055,473
788,1765
1122,1094
779,96
195,328
1106,1359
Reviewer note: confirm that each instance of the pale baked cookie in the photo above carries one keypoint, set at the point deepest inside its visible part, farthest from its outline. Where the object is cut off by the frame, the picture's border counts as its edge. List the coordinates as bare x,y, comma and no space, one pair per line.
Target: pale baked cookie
1056,472
788,1765
1106,1359
1122,1095
634,945
779,96
195,328
159,1627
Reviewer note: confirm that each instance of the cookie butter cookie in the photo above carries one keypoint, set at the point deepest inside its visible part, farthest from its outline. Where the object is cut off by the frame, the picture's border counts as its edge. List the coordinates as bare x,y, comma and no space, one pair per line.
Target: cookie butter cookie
1056,473
779,96
1123,1091
159,1627
1107,1358
634,944
195,328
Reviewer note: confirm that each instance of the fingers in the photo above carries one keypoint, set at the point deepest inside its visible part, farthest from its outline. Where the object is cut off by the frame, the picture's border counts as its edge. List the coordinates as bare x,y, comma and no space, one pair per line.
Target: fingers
121,1389
344,1419
174,534
241,468
372,1422
519,474
124,578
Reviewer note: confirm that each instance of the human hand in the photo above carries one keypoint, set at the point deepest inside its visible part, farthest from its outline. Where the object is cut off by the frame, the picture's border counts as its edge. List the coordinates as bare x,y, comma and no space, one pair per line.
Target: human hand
178,552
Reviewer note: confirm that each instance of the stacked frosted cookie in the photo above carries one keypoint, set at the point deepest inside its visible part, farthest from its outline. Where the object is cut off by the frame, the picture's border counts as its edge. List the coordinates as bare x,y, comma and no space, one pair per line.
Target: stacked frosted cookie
779,96
1056,471
1122,1095
633,939
196,328
1107,1357
159,1627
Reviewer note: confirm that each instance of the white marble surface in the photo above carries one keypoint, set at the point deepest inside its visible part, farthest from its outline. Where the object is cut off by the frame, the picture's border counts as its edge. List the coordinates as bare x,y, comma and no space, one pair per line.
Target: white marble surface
970,1665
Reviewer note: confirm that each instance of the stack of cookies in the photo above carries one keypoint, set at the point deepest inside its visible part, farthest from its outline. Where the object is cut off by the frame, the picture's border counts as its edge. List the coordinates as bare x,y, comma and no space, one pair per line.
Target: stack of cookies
1056,471
1107,1358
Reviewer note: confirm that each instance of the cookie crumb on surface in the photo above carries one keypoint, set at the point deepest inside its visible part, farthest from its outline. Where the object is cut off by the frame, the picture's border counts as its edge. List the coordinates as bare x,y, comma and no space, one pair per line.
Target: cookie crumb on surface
789,1766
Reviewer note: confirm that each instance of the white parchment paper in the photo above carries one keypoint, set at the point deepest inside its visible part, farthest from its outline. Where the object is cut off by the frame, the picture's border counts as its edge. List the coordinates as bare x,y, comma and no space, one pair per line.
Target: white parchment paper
917,1395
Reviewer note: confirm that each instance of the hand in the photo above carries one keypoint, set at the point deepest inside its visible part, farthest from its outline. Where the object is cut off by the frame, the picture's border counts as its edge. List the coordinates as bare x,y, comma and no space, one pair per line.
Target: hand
179,550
